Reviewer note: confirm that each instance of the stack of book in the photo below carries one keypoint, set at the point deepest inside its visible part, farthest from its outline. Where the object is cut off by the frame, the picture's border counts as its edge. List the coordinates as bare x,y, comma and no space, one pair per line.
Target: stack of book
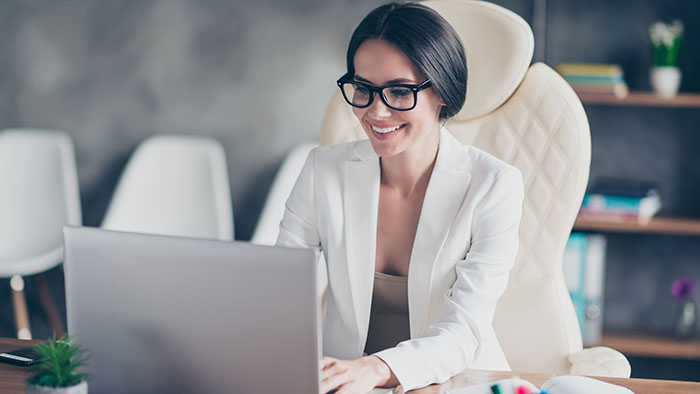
584,272
599,80
622,199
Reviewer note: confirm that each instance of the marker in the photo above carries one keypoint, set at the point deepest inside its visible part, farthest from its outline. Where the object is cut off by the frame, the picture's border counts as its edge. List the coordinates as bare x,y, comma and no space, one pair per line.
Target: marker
496,389
523,390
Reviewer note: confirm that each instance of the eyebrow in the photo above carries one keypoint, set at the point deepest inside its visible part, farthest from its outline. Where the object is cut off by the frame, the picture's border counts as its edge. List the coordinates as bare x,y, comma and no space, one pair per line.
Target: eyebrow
393,81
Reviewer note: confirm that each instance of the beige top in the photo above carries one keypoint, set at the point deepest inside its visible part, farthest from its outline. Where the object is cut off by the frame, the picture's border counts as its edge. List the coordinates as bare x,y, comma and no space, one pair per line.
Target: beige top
388,321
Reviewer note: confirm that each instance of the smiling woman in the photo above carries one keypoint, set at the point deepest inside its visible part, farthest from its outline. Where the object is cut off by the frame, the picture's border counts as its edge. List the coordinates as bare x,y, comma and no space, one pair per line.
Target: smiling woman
418,231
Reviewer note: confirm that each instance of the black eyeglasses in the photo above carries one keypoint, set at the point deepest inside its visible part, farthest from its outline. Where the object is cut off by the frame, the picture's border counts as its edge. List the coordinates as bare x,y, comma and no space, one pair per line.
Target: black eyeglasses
401,97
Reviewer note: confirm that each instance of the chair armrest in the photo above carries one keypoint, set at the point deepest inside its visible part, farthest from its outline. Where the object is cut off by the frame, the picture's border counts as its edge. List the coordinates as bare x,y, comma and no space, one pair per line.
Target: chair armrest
600,361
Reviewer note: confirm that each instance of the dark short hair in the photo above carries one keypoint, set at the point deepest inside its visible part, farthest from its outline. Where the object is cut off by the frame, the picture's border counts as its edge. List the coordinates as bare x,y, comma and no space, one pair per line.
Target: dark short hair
427,39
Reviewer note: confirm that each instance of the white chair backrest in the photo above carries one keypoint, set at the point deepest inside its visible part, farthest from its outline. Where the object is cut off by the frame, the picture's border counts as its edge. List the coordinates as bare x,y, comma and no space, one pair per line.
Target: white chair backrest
38,196
268,227
532,119
174,185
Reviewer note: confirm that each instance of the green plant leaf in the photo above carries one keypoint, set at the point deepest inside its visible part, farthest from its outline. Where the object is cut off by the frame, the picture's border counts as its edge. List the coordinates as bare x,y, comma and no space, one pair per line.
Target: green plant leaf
62,359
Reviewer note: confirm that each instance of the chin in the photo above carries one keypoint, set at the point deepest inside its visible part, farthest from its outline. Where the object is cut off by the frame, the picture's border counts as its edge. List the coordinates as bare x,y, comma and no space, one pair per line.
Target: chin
385,150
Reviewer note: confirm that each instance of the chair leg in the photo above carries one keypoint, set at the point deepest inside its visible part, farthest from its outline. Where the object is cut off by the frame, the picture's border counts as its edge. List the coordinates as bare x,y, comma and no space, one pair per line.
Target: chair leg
19,303
49,305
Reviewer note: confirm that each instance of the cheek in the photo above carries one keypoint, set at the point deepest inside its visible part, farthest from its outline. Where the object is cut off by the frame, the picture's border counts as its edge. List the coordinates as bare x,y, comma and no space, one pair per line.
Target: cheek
359,113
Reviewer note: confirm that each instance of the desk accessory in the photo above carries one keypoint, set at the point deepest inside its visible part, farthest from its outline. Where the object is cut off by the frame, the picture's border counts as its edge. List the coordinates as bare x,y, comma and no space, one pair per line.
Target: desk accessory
565,384
57,372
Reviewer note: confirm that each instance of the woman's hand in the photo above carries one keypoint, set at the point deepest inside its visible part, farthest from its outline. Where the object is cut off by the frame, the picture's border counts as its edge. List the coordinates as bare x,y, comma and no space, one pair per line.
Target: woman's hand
357,376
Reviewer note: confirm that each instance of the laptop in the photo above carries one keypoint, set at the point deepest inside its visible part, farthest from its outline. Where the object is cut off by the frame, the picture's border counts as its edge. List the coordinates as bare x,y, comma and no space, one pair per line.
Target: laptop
162,314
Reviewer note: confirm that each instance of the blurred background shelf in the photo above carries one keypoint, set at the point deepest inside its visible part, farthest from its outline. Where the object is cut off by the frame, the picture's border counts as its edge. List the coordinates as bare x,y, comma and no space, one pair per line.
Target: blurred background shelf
644,99
649,345
656,225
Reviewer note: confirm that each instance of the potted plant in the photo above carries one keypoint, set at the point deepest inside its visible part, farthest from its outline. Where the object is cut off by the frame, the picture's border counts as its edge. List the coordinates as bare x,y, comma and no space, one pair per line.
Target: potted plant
57,372
666,41
685,318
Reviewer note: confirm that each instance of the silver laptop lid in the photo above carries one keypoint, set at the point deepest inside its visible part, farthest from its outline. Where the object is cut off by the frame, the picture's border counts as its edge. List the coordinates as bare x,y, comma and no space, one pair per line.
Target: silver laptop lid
175,315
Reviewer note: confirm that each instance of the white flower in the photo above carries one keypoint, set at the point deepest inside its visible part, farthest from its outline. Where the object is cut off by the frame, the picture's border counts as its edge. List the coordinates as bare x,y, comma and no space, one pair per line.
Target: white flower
665,34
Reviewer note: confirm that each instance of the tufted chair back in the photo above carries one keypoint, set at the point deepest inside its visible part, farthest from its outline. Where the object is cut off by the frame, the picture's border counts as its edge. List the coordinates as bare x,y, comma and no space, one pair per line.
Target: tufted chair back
530,117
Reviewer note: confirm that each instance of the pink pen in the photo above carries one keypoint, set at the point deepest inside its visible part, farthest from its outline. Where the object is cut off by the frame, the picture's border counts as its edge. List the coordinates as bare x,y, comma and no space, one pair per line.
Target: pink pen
523,390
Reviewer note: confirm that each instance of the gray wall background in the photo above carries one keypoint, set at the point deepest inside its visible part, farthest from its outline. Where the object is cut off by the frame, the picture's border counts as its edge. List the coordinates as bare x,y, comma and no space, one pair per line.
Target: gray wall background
257,76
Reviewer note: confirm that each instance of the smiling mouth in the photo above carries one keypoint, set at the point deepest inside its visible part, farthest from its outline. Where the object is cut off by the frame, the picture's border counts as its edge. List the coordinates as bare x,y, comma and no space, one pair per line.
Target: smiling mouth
386,130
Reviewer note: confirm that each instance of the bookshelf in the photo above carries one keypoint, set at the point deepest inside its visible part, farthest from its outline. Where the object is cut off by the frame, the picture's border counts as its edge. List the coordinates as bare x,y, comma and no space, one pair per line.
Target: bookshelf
656,225
633,343
650,345
691,100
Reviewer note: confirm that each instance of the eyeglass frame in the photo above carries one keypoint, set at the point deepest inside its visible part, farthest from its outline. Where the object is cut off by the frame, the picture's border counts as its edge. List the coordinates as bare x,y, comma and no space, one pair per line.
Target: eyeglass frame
380,91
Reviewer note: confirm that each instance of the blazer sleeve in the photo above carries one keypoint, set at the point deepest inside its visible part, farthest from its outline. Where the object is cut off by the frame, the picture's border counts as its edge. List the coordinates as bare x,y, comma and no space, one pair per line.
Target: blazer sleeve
299,226
454,342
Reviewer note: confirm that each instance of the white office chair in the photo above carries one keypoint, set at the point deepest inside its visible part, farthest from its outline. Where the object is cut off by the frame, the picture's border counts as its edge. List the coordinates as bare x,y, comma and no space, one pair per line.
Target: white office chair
174,185
530,117
38,196
268,227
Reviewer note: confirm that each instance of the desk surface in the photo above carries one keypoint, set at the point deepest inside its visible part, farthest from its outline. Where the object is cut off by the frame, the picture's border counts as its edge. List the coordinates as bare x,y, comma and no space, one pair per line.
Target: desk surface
12,378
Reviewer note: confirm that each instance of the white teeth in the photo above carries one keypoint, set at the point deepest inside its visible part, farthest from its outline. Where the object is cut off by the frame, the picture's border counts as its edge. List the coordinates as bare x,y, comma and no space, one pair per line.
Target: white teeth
384,131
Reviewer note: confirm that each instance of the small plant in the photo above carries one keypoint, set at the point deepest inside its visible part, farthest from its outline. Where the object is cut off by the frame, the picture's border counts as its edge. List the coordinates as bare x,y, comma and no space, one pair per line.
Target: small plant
59,365
666,41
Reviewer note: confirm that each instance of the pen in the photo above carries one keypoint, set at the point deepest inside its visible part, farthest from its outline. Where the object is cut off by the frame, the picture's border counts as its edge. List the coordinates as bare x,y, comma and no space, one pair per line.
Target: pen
496,389
523,390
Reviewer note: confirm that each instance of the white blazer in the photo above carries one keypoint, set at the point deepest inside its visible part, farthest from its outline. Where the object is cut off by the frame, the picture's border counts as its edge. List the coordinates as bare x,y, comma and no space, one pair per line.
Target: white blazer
465,244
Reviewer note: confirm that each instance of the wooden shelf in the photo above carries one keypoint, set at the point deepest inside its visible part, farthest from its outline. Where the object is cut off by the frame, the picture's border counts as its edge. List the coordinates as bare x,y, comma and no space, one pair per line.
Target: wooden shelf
644,99
655,225
649,345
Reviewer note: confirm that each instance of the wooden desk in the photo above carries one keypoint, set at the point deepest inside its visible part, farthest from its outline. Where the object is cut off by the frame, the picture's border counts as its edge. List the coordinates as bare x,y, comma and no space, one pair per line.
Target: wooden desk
12,378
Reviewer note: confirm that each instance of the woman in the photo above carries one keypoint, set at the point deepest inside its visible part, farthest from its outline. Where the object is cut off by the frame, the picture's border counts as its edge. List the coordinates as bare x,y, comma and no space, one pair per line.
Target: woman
418,231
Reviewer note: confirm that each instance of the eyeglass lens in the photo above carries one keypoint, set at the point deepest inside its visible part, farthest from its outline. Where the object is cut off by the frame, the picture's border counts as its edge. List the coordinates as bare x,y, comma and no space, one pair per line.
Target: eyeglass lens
396,97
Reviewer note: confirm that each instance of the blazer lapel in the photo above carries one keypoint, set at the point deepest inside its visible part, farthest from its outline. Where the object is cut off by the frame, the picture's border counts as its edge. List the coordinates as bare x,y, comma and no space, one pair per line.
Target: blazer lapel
444,196
361,205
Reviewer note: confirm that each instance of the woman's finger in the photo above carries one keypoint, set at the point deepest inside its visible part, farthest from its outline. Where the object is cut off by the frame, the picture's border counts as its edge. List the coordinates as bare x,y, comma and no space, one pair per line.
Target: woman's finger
333,381
333,369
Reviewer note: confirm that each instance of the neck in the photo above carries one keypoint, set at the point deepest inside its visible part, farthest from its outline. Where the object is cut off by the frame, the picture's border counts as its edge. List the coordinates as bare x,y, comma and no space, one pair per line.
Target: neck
411,169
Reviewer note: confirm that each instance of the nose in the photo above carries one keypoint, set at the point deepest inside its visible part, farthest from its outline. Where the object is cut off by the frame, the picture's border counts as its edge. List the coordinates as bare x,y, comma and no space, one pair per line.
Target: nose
378,109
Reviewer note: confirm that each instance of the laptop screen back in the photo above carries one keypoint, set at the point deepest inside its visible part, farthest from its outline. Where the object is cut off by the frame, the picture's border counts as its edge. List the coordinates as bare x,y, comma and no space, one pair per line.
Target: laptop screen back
174,315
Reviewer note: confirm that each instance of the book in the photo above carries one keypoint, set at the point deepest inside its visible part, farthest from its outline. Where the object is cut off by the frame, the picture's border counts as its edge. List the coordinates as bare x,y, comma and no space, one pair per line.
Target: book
594,79
624,198
642,208
564,384
604,80
594,290
589,69
584,272
574,267
618,90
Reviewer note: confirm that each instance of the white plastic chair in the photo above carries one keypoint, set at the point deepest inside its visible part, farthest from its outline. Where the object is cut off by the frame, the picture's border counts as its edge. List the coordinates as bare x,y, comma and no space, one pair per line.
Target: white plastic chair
529,117
174,185
38,196
268,226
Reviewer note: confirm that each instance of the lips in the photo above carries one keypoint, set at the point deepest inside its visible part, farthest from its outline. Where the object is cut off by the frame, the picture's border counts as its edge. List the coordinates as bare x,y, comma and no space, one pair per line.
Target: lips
386,132
385,129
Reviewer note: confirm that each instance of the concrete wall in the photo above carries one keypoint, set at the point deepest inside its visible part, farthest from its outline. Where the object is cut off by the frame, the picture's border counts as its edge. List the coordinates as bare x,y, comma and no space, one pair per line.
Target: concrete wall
255,75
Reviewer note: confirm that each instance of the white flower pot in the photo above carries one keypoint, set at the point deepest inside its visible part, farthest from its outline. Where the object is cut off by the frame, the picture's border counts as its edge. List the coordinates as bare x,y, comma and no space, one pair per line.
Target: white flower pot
666,80
80,388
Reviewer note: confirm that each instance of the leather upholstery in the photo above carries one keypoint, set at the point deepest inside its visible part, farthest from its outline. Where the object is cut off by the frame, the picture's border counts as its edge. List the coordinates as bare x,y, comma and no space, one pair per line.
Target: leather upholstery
535,121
